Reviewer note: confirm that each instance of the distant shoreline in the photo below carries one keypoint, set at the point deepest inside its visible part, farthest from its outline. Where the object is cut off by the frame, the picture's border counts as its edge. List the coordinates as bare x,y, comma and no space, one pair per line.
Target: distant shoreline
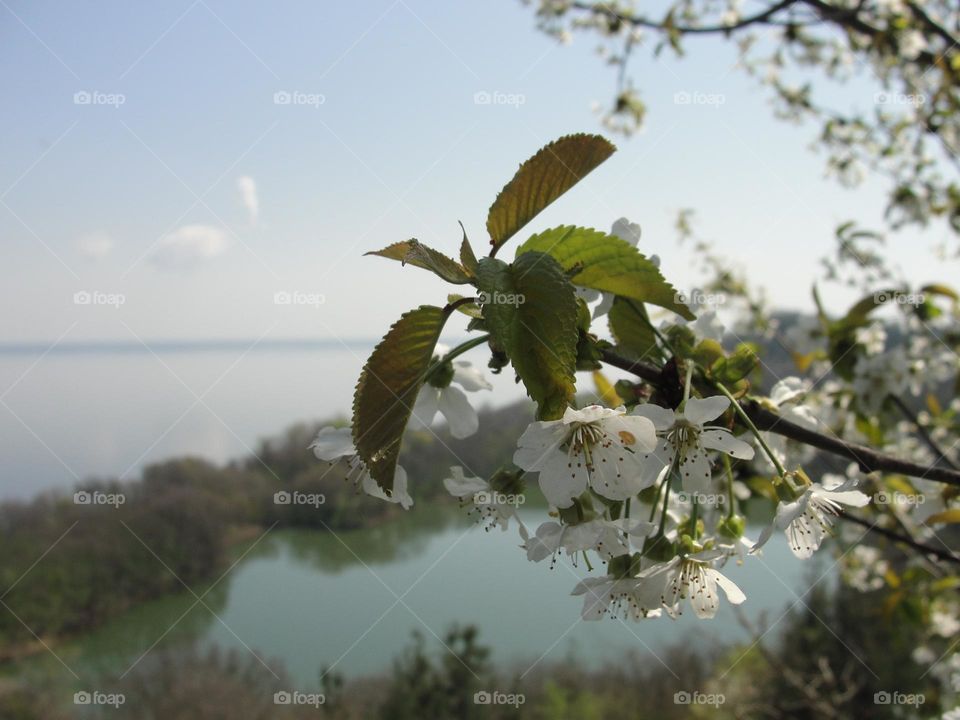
135,347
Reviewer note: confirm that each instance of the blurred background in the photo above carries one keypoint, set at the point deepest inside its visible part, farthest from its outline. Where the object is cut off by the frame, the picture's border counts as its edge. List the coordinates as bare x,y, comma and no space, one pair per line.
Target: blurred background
187,192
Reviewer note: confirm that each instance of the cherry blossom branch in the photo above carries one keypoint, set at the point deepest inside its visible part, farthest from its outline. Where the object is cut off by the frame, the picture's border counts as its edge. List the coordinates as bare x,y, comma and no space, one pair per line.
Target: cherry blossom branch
868,459
639,21
902,539
940,457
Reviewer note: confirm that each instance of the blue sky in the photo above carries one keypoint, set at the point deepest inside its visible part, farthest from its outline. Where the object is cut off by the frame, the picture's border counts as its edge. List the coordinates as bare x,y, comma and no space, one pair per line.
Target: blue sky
144,200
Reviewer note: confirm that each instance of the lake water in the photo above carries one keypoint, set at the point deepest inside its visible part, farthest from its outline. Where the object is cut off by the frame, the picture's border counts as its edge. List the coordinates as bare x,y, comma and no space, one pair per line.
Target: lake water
305,600
309,600
108,410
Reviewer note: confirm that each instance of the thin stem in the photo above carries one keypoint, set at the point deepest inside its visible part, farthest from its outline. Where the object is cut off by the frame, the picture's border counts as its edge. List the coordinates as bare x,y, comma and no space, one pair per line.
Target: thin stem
666,498
729,470
694,517
686,383
457,351
753,428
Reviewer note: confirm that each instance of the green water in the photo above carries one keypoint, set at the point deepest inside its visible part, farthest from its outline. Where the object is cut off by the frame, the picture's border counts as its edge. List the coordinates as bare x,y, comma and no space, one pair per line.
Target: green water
305,600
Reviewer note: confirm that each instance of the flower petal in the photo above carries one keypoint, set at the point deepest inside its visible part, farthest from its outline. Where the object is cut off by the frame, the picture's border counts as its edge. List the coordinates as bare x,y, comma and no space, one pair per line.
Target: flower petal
538,442
733,592
460,415
461,486
724,441
424,409
563,478
469,377
695,472
698,411
333,443
662,418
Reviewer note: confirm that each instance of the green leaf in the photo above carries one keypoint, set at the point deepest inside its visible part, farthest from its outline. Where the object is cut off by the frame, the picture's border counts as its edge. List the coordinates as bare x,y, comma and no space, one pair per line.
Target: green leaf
859,314
631,329
605,262
416,253
388,387
467,257
556,168
945,517
944,290
537,329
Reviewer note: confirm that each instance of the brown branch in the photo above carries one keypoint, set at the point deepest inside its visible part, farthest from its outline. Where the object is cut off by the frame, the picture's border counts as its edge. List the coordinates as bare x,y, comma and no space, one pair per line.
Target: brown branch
867,458
902,539
638,21
940,457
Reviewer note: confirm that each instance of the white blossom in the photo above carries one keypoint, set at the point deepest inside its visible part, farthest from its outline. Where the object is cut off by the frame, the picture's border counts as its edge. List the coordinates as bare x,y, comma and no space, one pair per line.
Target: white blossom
685,441
690,577
450,401
493,508
595,447
333,444
808,519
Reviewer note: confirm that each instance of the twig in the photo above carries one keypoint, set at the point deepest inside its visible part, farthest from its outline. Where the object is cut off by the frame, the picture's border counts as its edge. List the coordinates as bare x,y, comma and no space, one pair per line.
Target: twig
867,458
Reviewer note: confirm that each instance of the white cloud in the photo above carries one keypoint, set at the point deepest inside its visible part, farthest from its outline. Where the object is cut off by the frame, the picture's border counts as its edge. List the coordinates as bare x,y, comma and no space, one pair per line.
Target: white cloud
248,196
190,244
95,245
